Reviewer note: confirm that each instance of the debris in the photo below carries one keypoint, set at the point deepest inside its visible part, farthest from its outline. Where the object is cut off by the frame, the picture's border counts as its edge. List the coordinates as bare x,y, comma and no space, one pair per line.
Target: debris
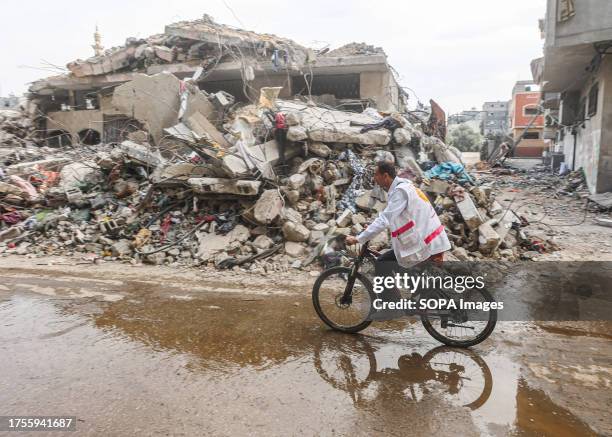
603,222
268,208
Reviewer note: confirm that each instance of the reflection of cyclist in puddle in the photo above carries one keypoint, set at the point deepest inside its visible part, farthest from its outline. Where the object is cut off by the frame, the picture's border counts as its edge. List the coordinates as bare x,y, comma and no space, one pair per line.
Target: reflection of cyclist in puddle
460,373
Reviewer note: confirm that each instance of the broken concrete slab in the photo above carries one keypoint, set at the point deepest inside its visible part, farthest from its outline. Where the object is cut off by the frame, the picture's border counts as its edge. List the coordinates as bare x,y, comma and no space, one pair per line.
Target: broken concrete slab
291,215
211,244
264,155
437,186
297,133
121,248
295,232
503,223
488,239
10,233
350,135
344,219
263,242
224,186
204,129
402,136
469,212
240,233
179,172
294,249
152,100
332,126
319,149
140,154
269,207
368,202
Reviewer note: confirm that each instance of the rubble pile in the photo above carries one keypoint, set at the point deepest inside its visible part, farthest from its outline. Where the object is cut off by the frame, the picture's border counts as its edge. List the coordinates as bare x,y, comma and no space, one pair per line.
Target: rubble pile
16,129
197,188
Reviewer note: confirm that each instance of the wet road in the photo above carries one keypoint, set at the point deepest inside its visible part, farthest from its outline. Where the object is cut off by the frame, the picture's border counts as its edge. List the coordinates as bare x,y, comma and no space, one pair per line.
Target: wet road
140,357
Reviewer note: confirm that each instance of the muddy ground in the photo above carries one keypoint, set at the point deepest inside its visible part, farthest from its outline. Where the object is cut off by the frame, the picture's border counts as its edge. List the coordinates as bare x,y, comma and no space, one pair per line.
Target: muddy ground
142,350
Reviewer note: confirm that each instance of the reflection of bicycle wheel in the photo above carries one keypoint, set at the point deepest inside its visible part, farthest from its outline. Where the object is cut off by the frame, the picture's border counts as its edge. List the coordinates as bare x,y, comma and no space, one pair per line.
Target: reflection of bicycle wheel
465,372
346,363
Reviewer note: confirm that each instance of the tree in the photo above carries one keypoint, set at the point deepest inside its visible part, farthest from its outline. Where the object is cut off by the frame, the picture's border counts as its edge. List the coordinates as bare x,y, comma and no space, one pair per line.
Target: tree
465,138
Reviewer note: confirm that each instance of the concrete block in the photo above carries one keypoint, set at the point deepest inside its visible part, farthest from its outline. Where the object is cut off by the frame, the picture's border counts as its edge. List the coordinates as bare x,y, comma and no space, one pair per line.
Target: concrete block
495,209
297,133
269,207
224,186
141,154
295,232
344,219
488,239
435,186
294,249
469,212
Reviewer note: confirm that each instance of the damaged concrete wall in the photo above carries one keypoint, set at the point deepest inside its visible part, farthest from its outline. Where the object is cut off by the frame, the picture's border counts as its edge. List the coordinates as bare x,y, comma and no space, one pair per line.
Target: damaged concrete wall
594,141
74,122
153,100
381,87
604,182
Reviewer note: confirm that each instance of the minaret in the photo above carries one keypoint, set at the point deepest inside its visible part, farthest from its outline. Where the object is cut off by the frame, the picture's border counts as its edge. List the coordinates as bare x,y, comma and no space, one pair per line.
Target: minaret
98,47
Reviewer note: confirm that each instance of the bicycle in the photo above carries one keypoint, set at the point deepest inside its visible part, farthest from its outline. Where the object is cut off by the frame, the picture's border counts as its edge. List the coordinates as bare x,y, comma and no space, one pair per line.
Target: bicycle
343,298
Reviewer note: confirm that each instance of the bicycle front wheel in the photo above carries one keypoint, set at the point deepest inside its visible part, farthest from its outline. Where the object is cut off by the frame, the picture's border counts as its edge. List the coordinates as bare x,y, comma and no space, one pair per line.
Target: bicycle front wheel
327,298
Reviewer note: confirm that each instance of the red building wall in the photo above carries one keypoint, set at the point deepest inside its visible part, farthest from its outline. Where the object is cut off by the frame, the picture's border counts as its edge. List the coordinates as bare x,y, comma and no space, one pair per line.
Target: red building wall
522,100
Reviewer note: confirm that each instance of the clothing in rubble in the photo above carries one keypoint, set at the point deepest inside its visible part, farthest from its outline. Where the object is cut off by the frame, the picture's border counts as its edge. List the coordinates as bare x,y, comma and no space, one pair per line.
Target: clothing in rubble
387,123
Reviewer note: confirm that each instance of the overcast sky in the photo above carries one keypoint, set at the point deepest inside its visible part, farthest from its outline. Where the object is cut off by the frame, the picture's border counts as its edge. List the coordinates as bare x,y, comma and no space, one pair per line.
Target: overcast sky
460,53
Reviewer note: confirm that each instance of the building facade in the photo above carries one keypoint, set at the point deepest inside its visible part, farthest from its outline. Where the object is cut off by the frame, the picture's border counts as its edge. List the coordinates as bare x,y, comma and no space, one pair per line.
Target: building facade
220,58
576,78
495,118
471,118
527,121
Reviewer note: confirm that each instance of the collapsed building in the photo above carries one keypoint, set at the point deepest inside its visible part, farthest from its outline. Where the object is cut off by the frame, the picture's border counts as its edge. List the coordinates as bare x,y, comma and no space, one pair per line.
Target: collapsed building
176,157
78,107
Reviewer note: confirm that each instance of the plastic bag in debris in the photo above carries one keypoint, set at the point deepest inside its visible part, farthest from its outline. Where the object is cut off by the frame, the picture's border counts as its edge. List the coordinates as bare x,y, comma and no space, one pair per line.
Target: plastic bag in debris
354,189
373,113
449,170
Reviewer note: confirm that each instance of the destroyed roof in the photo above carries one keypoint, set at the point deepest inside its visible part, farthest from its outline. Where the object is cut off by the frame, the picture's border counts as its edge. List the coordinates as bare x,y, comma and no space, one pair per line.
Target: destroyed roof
356,49
206,29
189,41
187,44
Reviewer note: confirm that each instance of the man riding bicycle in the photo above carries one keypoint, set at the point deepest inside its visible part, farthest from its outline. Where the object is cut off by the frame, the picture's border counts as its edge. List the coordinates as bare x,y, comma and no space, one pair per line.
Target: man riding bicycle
416,232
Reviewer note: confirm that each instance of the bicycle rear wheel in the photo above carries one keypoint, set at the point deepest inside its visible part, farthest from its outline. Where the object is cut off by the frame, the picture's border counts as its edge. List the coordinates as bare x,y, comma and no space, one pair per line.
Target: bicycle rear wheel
327,295
462,328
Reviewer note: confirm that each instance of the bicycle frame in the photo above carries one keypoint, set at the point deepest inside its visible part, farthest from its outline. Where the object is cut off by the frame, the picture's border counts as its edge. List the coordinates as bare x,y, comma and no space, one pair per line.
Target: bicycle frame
366,253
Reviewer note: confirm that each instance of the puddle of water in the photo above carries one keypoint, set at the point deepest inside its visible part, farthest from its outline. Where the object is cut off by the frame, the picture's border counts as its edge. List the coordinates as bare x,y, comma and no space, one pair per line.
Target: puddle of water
236,365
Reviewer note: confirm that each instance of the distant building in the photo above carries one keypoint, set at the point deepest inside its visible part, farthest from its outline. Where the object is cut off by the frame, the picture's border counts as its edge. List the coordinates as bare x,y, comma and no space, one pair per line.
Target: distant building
472,118
10,102
576,78
525,121
495,120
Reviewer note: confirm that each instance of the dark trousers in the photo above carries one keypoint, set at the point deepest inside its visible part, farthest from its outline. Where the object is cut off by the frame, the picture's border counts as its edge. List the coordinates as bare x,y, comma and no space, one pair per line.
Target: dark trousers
280,135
